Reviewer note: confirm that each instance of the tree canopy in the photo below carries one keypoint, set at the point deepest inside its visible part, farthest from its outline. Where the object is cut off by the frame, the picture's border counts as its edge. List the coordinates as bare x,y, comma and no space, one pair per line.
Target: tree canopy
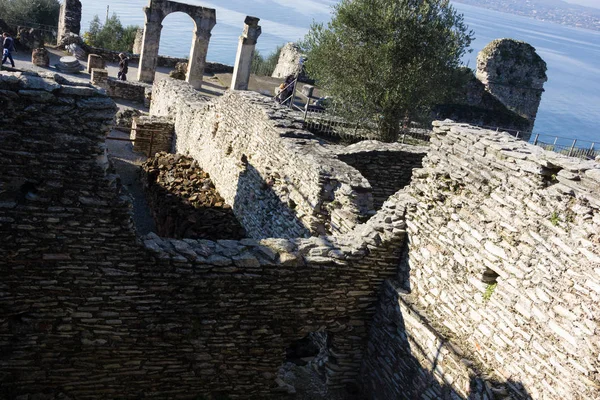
30,12
387,60
111,35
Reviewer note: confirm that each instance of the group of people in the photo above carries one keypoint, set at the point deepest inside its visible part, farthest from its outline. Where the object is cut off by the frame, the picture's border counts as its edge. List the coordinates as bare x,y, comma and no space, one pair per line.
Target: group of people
8,47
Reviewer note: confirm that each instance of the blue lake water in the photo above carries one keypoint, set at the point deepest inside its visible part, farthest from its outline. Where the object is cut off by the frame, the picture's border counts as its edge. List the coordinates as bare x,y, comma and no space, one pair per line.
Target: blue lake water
570,106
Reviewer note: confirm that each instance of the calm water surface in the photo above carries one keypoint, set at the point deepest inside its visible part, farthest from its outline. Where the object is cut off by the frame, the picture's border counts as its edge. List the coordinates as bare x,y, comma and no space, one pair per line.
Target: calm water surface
570,106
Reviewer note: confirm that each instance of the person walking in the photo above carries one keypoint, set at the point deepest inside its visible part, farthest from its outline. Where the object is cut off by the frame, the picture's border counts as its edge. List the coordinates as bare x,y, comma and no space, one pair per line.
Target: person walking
8,47
123,67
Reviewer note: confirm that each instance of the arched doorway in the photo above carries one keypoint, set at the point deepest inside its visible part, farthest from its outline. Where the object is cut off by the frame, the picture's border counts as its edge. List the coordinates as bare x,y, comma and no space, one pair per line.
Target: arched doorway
204,21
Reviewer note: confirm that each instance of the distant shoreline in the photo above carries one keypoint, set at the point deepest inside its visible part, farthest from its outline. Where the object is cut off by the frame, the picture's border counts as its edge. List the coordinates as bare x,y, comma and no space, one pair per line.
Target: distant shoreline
561,13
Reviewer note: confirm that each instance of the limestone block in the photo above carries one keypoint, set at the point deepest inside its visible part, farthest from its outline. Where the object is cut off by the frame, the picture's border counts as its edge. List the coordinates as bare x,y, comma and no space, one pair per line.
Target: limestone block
99,77
307,90
289,61
40,57
95,61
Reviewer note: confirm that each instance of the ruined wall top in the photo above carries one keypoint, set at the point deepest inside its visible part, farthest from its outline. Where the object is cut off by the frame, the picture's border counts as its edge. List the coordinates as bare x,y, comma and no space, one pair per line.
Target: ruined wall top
261,159
515,74
289,61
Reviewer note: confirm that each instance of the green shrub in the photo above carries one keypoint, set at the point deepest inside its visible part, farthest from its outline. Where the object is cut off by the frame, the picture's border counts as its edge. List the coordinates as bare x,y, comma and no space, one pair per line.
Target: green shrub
111,35
265,66
30,12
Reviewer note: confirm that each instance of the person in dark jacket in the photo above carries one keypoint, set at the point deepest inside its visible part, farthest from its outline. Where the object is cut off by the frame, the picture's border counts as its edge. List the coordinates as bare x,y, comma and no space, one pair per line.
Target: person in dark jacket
8,47
123,67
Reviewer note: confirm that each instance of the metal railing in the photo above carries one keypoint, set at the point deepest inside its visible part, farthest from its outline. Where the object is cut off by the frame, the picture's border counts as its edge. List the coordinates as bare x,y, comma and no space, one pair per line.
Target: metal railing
33,25
319,119
563,145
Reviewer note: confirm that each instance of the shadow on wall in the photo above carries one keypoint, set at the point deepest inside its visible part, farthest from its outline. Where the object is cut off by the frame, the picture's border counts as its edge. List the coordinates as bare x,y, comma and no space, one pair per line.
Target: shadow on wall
185,203
418,363
254,195
386,171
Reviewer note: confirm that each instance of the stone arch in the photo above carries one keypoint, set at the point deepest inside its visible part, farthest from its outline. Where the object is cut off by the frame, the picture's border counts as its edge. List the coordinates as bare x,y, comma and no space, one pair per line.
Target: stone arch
204,21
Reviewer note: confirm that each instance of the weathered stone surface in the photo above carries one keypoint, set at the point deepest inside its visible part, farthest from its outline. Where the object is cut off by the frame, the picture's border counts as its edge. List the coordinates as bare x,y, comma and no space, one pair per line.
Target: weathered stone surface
204,22
280,180
95,61
289,61
180,71
493,214
515,74
184,201
40,57
90,309
69,22
114,315
152,135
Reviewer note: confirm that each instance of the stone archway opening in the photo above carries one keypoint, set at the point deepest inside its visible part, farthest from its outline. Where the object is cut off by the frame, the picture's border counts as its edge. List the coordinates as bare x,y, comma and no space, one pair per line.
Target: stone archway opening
204,21
172,41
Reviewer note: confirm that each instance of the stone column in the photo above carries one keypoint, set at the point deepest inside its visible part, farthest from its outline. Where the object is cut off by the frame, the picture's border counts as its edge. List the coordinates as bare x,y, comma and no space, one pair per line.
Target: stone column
139,40
199,50
245,54
69,20
149,55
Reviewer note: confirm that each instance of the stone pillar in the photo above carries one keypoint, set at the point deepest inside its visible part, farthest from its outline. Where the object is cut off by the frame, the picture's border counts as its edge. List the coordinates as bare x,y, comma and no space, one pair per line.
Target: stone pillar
149,55
139,41
245,53
199,50
69,20
514,74
99,78
95,62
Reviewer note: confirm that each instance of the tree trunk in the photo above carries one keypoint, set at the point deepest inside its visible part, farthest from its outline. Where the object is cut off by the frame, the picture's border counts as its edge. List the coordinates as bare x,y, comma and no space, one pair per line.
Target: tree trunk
389,127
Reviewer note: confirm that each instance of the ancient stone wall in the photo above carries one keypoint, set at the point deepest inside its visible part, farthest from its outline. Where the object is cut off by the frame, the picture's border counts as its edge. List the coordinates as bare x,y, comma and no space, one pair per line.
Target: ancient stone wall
280,180
88,310
408,359
387,166
162,61
515,74
137,92
503,263
151,135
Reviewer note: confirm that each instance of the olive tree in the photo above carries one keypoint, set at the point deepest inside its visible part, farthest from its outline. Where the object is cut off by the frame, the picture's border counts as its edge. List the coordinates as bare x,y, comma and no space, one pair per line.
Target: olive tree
111,35
387,60
30,12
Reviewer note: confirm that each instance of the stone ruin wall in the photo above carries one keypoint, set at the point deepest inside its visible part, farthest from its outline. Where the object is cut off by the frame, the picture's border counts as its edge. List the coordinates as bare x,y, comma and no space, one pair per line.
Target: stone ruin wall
88,310
69,20
279,179
387,166
485,202
514,74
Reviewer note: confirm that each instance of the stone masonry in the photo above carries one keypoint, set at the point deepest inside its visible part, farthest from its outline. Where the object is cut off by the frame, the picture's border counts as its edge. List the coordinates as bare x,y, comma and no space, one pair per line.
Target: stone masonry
503,266
279,179
245,54
69,21
515,74
88,310
151,135
495,294
204,21
387,166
